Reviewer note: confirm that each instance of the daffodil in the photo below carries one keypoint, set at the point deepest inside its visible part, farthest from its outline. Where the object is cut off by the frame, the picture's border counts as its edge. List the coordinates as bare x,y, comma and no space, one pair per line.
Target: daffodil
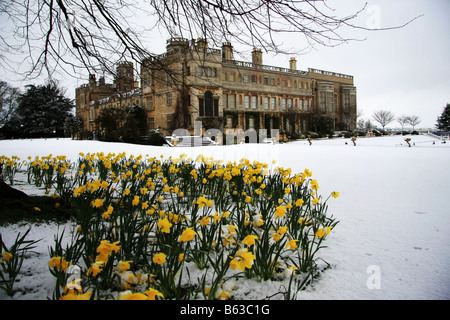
320,233
128,295
95,268
164,225
292,244
6,256
73,295
153,293
244,259
299,202
58,263
123,266
314,184
205,221
316,200
249,240
97,203
280,211
159,258
335,194
108,212
187,235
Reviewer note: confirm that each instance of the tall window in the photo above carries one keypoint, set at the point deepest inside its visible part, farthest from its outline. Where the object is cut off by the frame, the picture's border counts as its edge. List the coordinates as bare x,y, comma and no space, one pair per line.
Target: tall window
266,103
208,106
169,99
247,102
254,102
274,103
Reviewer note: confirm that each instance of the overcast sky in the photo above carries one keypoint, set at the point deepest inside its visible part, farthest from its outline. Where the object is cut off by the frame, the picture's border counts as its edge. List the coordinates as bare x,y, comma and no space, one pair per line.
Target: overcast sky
406,71
403,70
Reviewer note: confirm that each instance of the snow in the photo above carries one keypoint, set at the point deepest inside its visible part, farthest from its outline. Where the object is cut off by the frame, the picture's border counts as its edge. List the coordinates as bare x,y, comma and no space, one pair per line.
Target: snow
393,238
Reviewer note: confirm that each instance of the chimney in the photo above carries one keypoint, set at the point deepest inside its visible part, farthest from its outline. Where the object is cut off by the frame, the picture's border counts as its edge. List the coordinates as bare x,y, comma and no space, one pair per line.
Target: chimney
227,51
202,44
257,56
293,64
92,81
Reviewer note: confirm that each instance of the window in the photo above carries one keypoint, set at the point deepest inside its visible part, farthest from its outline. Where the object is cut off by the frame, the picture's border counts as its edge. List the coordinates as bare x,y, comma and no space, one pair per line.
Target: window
274,103
229,122
253,78
251,123
169,99
225,100
254,102
266,103
151,123
289,103
245,79
283,103
208,106
247,102
231,101
150,105
207,72
266,81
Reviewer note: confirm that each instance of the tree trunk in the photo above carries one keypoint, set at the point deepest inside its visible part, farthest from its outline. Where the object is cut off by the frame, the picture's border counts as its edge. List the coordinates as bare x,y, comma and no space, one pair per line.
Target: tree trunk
8,192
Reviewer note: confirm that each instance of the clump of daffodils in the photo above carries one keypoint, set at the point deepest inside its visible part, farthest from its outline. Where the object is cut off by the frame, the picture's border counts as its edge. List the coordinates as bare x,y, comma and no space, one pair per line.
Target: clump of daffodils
143,220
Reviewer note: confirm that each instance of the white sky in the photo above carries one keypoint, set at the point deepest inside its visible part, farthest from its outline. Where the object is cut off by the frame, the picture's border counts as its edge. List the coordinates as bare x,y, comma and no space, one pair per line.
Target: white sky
403,70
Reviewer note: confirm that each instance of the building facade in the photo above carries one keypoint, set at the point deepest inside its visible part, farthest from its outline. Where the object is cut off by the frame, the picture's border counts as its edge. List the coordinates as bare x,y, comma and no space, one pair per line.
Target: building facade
192,82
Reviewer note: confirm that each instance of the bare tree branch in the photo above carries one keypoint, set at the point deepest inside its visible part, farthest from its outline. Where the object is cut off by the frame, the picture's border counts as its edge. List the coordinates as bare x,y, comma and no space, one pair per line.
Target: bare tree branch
79,35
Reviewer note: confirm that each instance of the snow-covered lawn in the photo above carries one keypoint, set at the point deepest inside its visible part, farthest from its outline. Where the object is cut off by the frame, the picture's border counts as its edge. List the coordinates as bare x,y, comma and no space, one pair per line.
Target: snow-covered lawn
393,238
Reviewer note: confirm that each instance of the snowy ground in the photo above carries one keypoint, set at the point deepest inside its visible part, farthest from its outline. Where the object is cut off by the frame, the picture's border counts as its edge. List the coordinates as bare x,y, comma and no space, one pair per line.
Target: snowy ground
393,239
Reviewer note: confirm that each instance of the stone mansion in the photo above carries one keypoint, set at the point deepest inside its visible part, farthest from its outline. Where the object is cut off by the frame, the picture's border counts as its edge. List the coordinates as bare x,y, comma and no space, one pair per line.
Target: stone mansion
193,82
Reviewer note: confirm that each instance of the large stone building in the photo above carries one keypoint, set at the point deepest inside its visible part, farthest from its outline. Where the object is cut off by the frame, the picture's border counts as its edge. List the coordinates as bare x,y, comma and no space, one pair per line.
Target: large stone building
192,82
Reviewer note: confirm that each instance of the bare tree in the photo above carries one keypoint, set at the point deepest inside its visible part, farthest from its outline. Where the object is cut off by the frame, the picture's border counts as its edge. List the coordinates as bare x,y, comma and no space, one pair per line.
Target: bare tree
413,120
383,117
402,120
79,35
8,101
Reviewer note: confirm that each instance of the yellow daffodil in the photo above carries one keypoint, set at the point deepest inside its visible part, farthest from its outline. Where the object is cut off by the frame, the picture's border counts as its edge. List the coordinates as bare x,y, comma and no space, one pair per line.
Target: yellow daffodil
187,235
164,225
133,296
292,244
159,258
73,295
299,202
58,263
335,194
249,240
97,203
135,201
123,265
153,293
280,211
95,268
205,221
6,256
244,259
316,200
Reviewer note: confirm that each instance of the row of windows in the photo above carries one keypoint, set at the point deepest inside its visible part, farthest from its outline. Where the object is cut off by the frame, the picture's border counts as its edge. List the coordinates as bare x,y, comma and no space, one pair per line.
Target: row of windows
232,101
211,72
